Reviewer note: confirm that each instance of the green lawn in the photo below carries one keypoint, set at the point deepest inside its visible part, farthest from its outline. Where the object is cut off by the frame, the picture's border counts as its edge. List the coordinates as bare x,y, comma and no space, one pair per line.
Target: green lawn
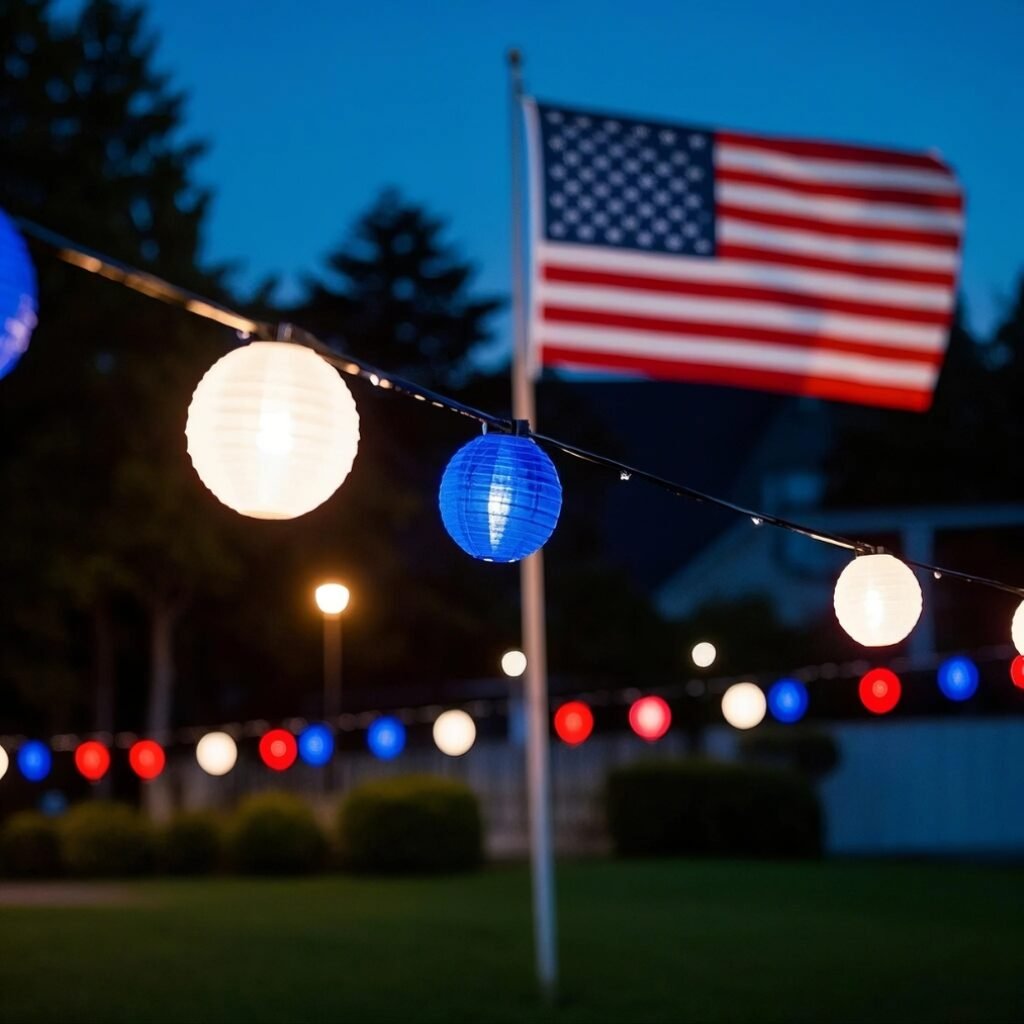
641,941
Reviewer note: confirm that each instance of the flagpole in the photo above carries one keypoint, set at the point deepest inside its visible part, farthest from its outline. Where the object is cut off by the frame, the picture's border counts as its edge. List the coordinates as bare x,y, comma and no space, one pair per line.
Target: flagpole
538,762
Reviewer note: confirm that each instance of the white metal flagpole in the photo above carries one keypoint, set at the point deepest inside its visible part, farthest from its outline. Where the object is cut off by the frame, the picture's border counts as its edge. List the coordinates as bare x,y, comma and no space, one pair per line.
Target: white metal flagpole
538,760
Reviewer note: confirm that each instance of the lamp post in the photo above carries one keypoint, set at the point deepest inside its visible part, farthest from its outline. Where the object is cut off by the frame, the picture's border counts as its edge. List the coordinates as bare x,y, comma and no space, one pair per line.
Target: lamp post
332,599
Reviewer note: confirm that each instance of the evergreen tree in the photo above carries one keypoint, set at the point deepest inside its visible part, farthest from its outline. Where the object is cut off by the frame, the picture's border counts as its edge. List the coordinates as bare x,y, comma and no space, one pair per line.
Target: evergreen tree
398,295
99,498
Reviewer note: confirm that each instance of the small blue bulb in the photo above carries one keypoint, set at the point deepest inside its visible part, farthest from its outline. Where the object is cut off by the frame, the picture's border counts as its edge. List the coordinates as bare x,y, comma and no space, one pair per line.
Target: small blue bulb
34,760
53,803
958,678
316,745
788,700
386,737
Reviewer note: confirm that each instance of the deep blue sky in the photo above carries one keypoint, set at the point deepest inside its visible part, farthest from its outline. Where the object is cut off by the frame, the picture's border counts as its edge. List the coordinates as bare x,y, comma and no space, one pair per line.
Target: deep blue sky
311,106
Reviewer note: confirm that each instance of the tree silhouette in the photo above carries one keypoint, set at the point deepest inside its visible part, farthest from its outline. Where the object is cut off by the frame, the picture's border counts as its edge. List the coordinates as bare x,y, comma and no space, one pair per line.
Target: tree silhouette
398,295
957,451
100,504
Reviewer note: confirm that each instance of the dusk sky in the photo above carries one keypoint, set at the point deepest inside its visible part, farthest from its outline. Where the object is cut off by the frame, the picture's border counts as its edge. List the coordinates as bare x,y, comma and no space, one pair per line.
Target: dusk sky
310,107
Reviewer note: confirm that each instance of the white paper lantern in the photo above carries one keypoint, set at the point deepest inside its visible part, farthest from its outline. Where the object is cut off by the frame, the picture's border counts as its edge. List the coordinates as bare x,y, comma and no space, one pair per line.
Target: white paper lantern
216,753
272,430
877,600
454,732
744,705
1017,628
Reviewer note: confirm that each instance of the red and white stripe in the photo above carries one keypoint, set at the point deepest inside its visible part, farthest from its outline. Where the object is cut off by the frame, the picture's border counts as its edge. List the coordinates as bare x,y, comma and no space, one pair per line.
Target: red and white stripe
834,276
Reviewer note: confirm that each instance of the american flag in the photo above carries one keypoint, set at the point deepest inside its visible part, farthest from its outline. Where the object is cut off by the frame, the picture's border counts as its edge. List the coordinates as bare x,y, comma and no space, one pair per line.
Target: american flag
720,257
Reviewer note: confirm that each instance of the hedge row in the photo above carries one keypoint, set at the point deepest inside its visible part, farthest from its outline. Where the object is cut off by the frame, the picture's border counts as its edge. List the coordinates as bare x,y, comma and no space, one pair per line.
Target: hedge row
414,824
706,808
422,824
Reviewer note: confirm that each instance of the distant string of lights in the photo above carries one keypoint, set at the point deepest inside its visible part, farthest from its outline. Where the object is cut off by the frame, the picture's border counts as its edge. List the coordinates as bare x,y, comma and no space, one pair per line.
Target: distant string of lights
272,431
744,705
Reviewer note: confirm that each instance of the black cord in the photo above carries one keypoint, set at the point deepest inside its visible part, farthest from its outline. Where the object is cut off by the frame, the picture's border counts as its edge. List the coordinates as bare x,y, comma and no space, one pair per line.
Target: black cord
157,288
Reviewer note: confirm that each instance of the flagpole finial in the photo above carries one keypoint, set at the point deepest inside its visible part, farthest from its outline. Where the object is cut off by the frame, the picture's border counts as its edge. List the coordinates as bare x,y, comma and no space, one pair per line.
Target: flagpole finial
514,57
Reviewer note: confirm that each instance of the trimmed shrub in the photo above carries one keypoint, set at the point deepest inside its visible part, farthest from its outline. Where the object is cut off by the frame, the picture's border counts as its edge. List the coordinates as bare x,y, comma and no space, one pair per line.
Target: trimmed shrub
106,839
275,834
807,751
707,808
30,846
414,823
192,844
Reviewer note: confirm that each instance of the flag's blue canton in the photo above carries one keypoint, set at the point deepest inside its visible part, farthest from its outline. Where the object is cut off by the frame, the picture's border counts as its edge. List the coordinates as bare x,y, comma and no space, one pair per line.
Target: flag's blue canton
609,181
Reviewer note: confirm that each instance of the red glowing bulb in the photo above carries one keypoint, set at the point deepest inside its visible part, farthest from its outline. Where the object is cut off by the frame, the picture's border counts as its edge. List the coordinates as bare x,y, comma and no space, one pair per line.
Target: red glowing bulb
278,749
649,718
92,760
147,759
880,690
1017,671
574,722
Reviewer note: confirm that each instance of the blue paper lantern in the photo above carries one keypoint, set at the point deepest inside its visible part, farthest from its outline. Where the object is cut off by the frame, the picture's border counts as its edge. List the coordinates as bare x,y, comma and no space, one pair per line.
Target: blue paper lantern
500,498
788,700
34,760
316,745
386,737
18,302
958,678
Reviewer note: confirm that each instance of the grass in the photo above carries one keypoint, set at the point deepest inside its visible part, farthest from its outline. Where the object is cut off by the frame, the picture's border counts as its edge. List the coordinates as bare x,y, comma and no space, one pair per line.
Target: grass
640,942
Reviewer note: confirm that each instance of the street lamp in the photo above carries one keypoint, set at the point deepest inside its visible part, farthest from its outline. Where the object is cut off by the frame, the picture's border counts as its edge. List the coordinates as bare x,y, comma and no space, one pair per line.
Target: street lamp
332,599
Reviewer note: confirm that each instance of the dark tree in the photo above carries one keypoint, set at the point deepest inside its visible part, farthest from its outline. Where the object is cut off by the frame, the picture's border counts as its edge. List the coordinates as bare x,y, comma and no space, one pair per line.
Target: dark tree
958,451
398,295
99,501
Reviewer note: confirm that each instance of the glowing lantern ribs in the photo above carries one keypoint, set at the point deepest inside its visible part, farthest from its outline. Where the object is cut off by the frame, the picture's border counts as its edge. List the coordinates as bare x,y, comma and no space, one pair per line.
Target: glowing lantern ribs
500,498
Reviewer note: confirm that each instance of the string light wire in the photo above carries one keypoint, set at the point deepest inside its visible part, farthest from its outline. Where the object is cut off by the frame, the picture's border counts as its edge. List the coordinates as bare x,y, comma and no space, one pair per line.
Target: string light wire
157,288
479,708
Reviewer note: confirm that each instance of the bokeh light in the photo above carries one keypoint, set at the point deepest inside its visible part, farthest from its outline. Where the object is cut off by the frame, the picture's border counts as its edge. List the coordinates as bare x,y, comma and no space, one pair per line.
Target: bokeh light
788,701
1017,671
147,759
1017,628
316,744
744,705
454,732
513,663
278,749
574,722
386,737
958,678
92,759
880,690
650,718
53,803
216,753
34,760
4,762
704,654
